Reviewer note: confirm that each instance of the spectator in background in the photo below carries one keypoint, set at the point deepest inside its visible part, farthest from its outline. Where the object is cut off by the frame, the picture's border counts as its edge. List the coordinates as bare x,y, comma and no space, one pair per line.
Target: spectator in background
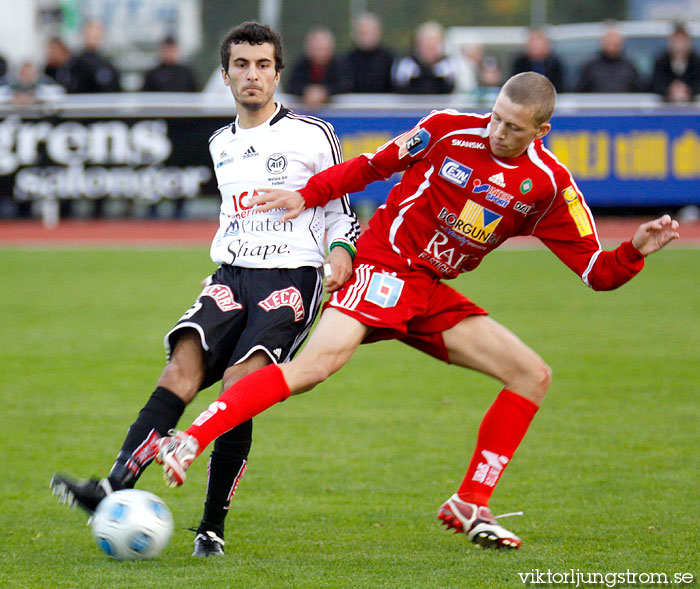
59,64
477,75
466,63
538,57
676,74
92,71
3,66
490,79
319,74
427,70
27,86
610,71
369,62
170,75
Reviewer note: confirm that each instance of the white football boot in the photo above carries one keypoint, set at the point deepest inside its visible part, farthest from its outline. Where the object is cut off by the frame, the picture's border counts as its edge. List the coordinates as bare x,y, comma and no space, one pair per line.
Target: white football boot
176,452
478,523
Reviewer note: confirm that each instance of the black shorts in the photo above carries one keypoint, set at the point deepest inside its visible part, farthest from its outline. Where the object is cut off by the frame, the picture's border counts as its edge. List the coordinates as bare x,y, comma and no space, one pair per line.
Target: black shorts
248,309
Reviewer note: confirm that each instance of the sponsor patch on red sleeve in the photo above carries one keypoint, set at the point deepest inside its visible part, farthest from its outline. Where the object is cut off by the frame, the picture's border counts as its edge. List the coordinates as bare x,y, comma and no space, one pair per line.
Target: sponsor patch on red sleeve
413,142
577,211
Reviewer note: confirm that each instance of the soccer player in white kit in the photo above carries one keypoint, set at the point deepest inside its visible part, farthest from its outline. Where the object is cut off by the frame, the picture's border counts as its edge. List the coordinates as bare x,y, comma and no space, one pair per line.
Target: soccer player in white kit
258,307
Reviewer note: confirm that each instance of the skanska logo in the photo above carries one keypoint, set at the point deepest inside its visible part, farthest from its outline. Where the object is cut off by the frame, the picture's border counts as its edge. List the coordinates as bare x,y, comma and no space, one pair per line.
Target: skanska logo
455,172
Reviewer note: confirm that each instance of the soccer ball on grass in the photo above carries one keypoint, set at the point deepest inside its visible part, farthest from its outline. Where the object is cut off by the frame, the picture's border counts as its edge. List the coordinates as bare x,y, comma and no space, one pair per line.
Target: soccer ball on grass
132,525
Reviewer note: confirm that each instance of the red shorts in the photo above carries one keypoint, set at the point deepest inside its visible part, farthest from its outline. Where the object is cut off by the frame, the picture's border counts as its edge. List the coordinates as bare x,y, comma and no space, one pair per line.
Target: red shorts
399,302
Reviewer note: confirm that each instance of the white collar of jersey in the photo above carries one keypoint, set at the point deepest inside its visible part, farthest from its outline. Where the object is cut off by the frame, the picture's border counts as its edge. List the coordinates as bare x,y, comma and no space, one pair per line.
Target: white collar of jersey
502,163
239,129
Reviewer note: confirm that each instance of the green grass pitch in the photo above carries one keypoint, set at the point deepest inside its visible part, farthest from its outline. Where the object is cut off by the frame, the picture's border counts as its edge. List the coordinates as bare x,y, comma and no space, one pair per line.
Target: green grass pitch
344,483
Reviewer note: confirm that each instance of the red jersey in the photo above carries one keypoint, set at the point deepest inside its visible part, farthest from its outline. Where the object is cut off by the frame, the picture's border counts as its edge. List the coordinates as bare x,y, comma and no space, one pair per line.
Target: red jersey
457,201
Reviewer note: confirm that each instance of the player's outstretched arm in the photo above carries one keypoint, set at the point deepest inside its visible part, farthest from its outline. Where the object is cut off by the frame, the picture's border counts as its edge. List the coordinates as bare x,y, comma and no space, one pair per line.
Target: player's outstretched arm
267,199
656,234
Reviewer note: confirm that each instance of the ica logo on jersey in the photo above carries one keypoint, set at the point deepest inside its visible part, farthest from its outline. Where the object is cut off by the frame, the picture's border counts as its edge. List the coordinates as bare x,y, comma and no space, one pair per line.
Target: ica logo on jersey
455,172
241,204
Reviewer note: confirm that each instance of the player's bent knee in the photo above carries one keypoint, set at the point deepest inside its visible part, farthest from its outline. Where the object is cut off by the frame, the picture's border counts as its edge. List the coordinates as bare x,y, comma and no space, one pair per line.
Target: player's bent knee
234,373
541,378
530,379
184,372
549,375
177,381
545,378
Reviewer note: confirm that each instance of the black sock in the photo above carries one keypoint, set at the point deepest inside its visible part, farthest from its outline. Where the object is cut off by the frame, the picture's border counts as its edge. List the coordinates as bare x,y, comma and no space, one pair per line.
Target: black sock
160,413
226,467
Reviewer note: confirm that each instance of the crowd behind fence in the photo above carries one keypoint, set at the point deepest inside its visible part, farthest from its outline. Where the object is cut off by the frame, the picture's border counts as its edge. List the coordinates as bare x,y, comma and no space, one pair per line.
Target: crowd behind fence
73,142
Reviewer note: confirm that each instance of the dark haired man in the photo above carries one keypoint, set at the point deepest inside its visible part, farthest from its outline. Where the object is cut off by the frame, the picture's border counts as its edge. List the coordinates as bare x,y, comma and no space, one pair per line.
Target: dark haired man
369,61
610,70
91,70
539,57
676,73
171,74
258,307
470,182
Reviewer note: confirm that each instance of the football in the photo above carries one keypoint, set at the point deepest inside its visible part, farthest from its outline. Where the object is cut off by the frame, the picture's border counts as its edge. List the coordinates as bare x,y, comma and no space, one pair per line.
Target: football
132,525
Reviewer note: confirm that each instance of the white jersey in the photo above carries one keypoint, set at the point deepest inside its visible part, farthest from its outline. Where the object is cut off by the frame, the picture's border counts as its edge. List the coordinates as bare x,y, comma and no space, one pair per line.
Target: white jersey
283,152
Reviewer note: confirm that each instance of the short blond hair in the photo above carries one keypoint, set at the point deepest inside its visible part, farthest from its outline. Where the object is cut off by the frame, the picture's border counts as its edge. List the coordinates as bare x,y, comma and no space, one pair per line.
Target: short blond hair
533,90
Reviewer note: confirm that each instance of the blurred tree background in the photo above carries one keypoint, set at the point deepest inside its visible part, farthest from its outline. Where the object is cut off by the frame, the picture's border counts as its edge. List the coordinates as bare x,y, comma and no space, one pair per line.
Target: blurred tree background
400,18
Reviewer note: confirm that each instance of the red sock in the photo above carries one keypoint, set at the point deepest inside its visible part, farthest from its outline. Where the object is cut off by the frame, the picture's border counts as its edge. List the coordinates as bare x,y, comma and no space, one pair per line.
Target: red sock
249,396
500,434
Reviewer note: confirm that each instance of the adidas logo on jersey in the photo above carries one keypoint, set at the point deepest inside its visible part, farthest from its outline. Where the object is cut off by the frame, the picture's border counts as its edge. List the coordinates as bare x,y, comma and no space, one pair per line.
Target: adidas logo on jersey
498,180
250,152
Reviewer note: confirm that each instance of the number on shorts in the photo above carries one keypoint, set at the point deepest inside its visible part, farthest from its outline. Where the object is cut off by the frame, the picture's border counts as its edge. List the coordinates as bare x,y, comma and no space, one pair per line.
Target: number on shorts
191,311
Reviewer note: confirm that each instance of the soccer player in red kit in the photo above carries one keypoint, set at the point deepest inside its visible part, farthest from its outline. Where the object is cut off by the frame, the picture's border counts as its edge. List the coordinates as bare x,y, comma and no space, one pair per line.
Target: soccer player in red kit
470,182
